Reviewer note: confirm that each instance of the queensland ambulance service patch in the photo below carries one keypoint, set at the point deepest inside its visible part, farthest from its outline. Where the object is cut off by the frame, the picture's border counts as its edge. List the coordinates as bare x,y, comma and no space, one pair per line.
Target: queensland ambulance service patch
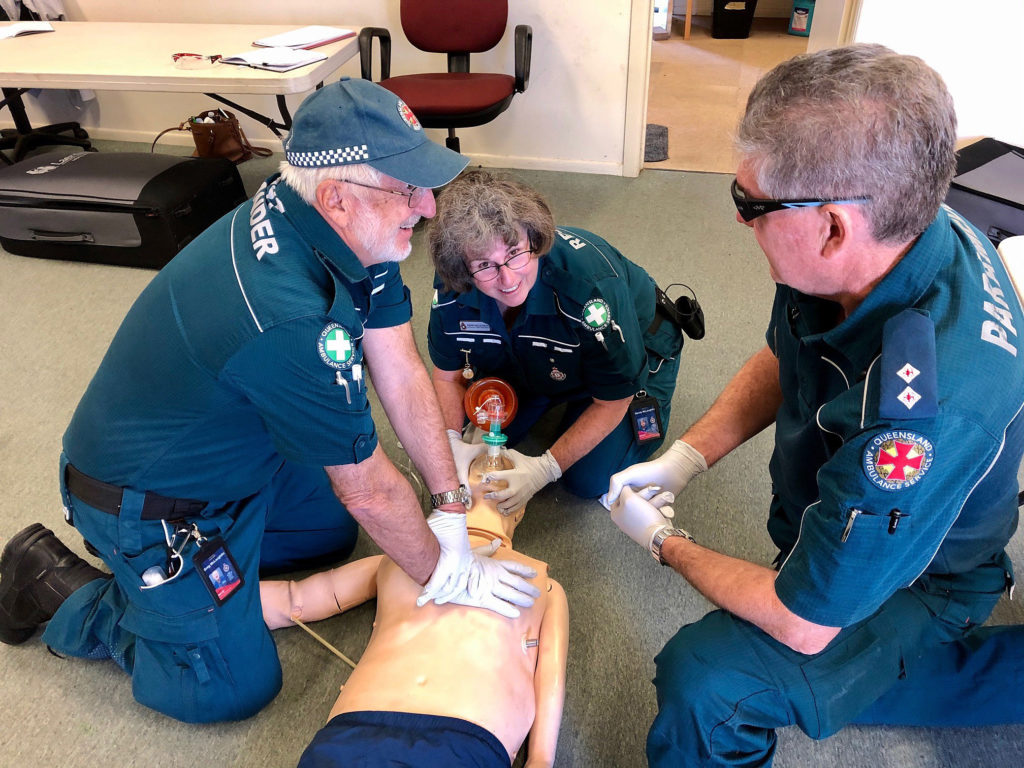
335,346
898,459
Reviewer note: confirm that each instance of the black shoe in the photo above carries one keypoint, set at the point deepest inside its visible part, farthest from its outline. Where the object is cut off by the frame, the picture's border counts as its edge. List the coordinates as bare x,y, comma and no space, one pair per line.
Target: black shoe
37,574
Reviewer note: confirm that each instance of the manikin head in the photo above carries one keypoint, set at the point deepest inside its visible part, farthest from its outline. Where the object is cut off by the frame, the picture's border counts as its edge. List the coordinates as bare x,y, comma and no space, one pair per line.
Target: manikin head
483,515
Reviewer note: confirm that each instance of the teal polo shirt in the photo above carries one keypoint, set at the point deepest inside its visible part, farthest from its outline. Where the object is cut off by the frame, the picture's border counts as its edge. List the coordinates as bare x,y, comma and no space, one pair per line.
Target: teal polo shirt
899,436
245,350
583,330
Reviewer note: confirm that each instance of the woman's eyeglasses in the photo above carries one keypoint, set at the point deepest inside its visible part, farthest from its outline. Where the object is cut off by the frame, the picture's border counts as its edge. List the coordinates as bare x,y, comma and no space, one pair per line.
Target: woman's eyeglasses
515,261
752,207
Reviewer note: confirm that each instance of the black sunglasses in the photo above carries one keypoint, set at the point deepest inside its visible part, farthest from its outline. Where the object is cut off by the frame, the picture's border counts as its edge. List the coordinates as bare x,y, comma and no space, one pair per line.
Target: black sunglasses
751,207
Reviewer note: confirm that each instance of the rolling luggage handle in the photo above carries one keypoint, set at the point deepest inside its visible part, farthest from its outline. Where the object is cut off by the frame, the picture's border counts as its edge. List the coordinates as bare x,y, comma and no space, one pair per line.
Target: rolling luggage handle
62,237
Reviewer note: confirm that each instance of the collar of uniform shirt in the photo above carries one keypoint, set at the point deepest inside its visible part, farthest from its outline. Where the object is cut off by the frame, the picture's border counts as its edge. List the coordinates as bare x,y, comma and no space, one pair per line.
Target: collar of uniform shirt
318,233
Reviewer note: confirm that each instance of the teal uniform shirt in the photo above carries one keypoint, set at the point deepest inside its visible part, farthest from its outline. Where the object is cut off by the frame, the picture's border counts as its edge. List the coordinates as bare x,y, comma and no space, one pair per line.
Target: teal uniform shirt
899,437
244,351
583,332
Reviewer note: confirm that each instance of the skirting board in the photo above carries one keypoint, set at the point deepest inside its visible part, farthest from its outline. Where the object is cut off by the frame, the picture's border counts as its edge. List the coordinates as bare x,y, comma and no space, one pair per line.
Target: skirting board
182,139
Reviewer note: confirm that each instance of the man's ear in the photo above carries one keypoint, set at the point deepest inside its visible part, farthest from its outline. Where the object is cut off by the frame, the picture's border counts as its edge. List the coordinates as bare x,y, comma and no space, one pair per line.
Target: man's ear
334,203
837,229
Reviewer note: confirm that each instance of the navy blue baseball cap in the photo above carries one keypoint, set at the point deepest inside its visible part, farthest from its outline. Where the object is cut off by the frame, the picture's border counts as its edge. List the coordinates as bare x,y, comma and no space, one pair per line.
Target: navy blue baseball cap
357,121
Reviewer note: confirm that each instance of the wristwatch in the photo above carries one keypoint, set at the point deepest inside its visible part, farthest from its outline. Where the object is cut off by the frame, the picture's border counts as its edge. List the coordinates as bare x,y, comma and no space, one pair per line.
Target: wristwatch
659,538
460,494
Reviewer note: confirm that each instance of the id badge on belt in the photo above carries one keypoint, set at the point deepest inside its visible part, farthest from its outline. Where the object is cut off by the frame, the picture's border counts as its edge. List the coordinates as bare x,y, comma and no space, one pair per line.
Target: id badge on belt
645,418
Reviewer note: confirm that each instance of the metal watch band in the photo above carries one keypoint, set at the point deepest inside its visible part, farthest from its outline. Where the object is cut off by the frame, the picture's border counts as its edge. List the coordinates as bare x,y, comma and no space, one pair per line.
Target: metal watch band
460,494
659,539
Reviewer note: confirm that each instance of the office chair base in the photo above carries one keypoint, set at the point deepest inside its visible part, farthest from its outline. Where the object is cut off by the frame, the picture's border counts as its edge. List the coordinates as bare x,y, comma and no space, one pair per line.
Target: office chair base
452,142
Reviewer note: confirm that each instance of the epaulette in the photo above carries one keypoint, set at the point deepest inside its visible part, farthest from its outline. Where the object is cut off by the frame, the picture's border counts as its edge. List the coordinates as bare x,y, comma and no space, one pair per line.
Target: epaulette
909,385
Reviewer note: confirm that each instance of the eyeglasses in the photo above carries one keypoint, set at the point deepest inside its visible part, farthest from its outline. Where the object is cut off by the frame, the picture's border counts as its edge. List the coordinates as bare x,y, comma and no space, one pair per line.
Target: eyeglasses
751,207
415,194
515,261
194,60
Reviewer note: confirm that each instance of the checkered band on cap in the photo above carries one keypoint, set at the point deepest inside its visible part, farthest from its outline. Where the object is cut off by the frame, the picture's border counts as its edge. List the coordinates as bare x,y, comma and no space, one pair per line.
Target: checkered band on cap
329,157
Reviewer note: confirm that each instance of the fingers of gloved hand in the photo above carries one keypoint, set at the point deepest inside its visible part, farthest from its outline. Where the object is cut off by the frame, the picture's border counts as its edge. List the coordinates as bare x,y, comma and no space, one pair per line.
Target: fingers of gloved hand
510,594
637,476
492,603
636,516
659,499
486,550
521,569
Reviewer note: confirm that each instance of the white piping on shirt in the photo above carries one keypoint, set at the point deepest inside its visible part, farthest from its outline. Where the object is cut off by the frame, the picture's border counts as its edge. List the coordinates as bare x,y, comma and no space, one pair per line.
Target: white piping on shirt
238,277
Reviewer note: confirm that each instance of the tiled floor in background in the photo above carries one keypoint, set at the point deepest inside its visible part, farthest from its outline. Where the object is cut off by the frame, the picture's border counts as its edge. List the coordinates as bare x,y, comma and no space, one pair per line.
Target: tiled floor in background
699,87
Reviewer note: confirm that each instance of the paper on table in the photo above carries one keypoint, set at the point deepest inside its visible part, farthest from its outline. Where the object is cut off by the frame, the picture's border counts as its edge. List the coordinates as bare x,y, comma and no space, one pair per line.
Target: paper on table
307,37
1001,177
275,59
25,28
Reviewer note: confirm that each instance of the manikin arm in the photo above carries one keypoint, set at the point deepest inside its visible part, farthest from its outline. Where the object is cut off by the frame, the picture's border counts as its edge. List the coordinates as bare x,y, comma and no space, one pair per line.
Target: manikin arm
321,595
549,679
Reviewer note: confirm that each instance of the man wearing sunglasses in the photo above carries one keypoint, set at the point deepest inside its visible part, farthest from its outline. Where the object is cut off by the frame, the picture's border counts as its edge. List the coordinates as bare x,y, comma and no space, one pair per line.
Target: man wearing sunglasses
560,315
894,376
228,430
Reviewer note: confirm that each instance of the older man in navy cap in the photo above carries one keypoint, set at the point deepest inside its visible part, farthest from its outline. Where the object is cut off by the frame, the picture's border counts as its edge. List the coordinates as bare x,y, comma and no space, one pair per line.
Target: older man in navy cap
228,433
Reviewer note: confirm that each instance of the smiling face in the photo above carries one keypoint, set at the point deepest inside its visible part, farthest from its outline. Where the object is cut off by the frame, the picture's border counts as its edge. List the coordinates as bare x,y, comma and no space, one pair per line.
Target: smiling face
511,286
383,223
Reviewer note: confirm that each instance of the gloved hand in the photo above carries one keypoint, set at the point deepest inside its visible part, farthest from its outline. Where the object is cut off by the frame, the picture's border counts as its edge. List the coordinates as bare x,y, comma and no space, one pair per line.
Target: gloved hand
671,472
641,514
530,474
464,453
470,576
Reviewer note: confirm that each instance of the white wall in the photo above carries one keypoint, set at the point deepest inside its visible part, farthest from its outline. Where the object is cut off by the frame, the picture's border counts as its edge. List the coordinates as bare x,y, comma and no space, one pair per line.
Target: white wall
974,46
572,116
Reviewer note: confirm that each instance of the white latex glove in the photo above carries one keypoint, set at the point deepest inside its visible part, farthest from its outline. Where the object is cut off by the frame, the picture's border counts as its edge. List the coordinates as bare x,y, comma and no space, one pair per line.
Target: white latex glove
671,471
530,474
641,514
464,453
471,577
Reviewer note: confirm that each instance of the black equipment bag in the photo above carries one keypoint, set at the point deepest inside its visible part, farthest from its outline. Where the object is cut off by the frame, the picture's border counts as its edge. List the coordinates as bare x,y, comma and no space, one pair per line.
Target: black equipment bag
988,188
130,209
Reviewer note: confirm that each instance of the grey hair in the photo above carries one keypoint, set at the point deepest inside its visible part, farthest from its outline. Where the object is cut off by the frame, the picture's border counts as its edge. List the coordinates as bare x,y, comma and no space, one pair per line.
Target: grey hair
475,209
854,121
304,181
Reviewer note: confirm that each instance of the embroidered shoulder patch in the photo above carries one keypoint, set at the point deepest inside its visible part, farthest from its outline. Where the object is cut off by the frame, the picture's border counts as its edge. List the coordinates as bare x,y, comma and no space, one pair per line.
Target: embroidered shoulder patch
335,346
596,314
897,459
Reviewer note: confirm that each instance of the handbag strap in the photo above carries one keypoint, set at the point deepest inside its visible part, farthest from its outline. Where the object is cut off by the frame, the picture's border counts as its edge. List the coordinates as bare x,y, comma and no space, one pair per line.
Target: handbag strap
182,127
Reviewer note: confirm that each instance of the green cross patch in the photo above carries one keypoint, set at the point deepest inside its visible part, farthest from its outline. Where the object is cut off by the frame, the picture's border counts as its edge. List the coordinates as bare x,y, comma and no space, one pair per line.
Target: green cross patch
596,314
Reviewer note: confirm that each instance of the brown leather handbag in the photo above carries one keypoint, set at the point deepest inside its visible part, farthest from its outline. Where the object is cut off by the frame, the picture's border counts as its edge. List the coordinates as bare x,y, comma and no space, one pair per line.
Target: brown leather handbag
216,133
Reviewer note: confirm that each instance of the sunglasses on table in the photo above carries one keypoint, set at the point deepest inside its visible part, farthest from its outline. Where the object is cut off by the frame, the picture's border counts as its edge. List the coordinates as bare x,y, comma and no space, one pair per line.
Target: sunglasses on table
751,207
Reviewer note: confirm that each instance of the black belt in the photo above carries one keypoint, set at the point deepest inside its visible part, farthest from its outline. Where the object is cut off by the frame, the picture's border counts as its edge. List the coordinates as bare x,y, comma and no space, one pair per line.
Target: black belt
107,498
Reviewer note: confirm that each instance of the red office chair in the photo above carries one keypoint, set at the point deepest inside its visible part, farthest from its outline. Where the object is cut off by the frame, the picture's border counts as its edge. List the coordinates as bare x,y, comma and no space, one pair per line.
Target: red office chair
457,98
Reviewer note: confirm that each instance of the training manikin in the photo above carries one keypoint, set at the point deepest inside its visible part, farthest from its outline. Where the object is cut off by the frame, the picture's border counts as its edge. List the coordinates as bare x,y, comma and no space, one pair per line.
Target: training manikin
504,675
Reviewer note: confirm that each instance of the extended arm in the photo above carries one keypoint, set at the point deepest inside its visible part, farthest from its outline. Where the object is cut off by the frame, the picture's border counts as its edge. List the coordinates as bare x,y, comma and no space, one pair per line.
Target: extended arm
385,505
405,391
746,406
549,679
592,426
450,387
321,595
746,590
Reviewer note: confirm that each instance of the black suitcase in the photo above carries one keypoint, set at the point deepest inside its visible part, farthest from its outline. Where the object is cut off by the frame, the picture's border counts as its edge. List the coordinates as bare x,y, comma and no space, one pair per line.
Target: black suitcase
125,208
988,188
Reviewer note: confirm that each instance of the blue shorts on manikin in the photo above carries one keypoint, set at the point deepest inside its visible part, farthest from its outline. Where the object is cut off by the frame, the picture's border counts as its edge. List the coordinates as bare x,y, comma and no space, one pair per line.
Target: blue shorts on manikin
189,657
724,686
403,740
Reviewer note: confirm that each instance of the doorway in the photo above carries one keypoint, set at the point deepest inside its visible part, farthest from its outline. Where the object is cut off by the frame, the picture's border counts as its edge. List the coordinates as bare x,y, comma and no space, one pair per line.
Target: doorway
698,87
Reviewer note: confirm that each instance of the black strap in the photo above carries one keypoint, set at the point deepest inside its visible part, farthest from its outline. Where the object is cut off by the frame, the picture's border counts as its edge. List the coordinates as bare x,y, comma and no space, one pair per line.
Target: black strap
107,498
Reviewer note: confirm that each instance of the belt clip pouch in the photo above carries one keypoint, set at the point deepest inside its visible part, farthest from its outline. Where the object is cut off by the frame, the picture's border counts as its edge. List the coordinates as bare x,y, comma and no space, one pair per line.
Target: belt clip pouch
645,418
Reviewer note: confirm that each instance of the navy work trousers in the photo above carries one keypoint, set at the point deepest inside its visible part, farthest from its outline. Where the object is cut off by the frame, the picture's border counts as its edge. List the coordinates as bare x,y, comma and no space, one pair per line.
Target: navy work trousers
188,657
724,686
